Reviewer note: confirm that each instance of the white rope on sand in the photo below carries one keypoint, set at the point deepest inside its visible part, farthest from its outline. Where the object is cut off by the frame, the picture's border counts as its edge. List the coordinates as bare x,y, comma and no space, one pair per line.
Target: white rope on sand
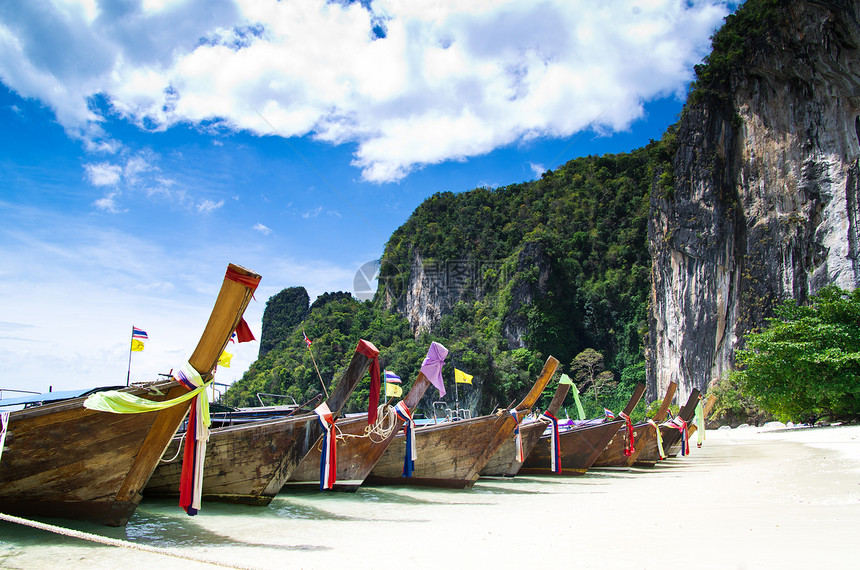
113,541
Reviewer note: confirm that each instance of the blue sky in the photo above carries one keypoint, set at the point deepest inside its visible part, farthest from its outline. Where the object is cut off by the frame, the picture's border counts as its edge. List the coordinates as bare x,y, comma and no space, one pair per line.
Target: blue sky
147,144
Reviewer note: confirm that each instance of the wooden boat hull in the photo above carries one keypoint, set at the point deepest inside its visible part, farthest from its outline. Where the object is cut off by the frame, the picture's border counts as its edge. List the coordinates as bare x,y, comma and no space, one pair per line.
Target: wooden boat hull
580,447
651,454
250,463
449,454
64,460
452,454
68,461
357,453
613,455
504,462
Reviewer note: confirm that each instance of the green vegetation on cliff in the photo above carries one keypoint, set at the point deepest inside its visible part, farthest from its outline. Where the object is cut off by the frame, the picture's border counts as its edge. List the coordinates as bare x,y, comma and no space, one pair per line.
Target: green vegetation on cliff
563,260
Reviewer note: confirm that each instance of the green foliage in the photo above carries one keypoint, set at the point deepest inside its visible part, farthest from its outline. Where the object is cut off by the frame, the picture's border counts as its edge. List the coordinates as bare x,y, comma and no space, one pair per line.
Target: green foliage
733,407
732,46
283,314
805,364
573,243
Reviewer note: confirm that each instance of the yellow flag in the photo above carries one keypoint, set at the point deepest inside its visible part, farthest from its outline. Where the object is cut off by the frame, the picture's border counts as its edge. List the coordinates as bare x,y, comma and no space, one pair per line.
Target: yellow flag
136,345
461,377
224,359
393,391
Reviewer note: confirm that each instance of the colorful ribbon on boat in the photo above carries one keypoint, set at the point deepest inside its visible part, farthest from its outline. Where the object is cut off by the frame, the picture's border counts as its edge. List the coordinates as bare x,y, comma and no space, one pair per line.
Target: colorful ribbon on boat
328,458
196,437
191,479
659,439
576,399
432,366
628,441
700,424
367,349
4,423
681,426
404,413
518,437
554,444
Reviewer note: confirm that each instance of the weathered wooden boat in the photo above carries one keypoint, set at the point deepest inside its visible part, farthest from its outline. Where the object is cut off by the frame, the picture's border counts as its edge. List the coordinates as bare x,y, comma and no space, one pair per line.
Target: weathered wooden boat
250,463
614,455
358,449
504,462
579,446
451,454
669,433
64,460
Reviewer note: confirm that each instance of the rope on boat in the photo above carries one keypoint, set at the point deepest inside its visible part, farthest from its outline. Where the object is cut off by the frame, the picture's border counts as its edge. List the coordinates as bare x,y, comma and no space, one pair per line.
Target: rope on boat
113,541
179,450
381,429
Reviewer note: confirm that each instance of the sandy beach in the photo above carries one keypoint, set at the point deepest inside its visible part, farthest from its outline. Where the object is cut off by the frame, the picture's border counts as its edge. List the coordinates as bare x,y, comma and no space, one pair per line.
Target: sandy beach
749,498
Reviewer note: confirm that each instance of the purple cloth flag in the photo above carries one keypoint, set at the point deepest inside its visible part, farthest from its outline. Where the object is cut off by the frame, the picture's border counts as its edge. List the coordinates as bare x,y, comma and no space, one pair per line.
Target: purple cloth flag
432,366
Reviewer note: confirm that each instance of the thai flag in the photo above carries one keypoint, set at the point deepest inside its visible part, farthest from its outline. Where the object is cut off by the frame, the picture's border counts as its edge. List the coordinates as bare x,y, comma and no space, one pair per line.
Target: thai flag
392,377
307,340
138,333
608,413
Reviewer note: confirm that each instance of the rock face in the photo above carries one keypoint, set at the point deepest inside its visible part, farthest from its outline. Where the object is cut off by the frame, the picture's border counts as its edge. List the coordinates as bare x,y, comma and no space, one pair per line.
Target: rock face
435,287
765,199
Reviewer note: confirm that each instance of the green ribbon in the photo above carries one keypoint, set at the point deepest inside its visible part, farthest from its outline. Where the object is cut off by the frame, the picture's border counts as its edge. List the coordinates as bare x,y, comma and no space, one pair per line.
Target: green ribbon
565,379
117,402
700,423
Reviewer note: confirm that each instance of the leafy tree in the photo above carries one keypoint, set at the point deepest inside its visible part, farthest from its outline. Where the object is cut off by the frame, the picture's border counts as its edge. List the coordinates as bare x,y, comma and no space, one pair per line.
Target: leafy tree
805,364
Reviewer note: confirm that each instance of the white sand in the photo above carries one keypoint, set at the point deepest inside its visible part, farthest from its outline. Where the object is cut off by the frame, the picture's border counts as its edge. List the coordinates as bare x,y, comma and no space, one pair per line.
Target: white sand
748,499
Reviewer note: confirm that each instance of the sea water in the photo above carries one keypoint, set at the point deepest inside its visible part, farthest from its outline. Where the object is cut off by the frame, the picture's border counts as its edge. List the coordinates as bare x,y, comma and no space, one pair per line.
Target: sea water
302,528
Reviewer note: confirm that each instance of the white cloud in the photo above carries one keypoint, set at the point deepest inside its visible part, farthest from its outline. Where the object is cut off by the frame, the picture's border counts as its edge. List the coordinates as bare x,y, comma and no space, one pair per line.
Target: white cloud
108,203
265,230
313,213
103,174
537,169
449,80
209,206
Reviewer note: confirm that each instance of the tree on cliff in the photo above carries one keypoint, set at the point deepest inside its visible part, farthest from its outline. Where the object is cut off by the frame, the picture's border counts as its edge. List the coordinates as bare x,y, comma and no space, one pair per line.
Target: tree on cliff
805,365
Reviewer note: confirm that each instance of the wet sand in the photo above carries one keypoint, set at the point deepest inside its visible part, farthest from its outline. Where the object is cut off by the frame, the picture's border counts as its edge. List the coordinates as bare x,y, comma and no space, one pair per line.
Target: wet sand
747,499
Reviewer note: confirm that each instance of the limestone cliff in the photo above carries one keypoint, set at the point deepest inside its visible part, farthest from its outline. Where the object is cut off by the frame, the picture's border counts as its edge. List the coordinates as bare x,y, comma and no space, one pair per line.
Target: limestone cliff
764,201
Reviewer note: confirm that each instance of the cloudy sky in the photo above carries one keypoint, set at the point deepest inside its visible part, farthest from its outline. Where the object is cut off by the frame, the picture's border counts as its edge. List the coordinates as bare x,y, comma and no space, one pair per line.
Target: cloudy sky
148,143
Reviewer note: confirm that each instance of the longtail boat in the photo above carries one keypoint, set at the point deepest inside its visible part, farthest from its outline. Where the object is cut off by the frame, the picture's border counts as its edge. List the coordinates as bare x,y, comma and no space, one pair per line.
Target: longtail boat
619,453
579,446
249,463
709,405
451,454
64,460
669,433
504,462
359,445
